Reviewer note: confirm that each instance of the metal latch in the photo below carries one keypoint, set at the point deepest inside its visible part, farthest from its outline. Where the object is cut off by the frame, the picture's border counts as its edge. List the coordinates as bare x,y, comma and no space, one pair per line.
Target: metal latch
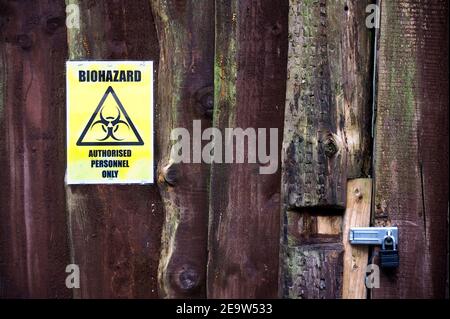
372,235
386,237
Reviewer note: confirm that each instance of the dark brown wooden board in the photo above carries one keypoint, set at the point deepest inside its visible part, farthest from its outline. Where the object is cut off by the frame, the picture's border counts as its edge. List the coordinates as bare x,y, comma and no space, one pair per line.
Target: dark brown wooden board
185,88
327,139
411,150
115,230
316,271
250,75
34,249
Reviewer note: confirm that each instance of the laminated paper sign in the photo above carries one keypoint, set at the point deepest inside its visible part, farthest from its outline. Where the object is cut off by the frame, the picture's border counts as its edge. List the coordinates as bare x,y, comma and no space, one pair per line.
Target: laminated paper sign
109,122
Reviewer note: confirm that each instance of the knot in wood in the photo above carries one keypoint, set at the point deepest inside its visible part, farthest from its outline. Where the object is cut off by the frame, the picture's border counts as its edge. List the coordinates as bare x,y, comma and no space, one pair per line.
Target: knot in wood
53,23
188,278
170,174
276,29
24,41
205,101
330,147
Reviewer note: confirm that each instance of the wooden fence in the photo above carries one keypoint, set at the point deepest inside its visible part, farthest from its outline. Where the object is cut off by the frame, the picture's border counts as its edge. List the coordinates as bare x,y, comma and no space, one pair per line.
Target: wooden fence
362,115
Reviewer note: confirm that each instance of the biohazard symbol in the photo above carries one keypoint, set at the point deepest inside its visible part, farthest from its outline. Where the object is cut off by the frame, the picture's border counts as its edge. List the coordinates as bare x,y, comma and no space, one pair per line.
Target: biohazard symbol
110,125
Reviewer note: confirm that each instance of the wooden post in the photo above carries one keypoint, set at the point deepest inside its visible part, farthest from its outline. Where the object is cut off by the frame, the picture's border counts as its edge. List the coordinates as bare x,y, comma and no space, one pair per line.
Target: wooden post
250,75
114,229
357,214
185,93
411,149
33,243
326,139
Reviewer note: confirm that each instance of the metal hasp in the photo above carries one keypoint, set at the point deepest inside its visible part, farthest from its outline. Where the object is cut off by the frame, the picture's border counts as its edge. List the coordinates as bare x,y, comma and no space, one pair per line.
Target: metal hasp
386,237
372,235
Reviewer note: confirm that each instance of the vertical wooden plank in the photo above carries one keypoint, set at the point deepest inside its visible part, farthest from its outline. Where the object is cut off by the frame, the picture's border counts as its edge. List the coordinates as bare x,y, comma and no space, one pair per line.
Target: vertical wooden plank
318,271
115,229
186,37
411,167
357,214
327,116
33,243
326,133
250,75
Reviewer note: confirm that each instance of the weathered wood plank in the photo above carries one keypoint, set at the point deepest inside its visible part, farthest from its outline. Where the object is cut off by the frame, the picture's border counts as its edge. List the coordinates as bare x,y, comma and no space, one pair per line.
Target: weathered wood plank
326,131
316,271
186,37
115,229
411,167
357,214
250,75
327,126
33,242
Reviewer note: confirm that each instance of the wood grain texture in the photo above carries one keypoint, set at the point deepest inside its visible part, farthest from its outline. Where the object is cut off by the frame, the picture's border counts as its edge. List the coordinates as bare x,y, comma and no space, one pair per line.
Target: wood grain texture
115,229
411,168
186,37
327,117
357,214
33,243
316,271
326,137
250,73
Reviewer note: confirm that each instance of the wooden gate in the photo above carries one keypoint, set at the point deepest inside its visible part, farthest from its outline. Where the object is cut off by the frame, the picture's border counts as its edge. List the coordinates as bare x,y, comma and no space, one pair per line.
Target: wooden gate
362,116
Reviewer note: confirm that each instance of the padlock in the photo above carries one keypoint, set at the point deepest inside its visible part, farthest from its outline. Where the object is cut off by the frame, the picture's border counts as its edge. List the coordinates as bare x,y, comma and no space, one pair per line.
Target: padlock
389,257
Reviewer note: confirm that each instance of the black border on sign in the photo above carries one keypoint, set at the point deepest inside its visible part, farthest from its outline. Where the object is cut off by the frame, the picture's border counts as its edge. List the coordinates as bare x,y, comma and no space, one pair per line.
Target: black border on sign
88,125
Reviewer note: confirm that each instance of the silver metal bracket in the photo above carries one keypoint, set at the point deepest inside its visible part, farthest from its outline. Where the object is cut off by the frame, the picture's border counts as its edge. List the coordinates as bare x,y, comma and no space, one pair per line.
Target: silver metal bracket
372,235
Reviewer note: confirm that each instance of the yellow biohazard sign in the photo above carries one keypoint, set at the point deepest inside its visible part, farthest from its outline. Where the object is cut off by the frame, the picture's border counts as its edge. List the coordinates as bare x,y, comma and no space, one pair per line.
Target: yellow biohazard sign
109,122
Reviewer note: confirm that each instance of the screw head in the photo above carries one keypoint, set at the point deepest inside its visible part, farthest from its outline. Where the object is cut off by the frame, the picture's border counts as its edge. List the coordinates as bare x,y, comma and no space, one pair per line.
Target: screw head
358,193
